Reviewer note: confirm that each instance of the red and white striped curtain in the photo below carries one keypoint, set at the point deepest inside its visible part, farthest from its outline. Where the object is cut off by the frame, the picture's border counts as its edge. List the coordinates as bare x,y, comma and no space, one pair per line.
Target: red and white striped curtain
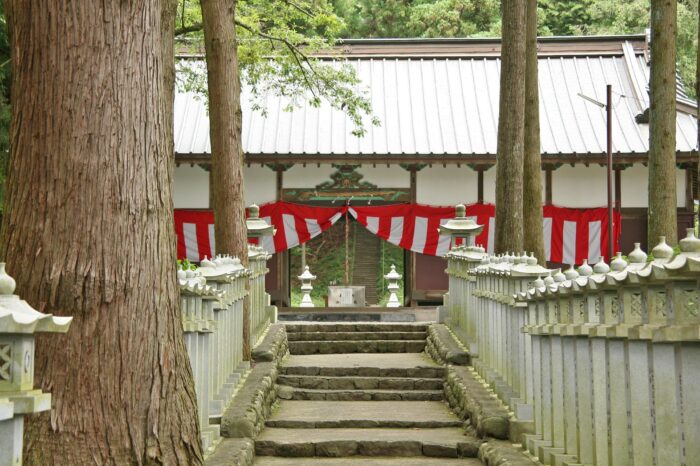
571,235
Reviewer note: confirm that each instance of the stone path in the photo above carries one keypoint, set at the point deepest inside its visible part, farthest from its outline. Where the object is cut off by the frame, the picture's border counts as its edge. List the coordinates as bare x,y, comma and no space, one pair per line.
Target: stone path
380,398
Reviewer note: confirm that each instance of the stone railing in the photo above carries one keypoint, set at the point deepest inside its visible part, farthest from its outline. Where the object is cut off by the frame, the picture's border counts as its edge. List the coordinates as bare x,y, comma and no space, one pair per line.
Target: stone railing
262,314
212,300
599,365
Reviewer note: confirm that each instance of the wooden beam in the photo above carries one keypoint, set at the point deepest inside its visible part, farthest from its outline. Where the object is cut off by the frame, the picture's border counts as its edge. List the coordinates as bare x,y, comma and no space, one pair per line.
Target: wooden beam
482,159
548,186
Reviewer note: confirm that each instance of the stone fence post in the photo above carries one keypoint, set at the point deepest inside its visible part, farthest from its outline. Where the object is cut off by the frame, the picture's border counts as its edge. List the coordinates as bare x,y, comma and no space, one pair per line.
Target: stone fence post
211,300
599,364
18,324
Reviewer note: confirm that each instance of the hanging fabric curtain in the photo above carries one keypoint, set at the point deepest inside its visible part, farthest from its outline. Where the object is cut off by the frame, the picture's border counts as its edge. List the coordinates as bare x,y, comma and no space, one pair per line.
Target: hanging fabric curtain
570,235
415,226
295,224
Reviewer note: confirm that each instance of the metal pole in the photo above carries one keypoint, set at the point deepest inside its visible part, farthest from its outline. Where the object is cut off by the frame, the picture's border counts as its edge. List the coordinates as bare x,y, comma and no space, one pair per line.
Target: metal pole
611,251
347,251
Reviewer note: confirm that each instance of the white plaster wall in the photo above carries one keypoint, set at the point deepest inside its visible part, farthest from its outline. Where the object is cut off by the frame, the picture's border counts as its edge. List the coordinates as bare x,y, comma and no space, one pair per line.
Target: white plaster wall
392,176
310,176
490,185
438,185
260,185
579,186
635,186
191,187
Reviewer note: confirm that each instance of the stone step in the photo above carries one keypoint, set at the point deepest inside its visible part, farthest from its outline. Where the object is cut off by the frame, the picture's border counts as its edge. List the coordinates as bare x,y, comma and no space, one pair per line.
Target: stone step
362,414
362,461
357,327
360,383
350,346
291,393
367,336
340,442
416,365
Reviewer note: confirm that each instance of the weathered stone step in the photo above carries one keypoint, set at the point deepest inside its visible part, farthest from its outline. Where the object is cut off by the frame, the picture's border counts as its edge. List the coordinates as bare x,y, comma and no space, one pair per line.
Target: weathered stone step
363,365
441,442
291,393
337,336
362,461
356,327
360,383
358,414
349,346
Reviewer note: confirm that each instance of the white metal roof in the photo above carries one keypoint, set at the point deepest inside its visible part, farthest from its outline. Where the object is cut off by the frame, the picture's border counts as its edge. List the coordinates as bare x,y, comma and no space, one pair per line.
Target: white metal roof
449,106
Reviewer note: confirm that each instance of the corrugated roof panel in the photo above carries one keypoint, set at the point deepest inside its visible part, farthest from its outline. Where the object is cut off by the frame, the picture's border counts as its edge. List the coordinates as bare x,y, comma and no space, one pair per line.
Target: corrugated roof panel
448,106
462,139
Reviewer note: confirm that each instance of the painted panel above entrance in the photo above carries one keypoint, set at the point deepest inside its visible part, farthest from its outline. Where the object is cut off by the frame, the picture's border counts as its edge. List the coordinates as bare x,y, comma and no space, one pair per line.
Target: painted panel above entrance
346,183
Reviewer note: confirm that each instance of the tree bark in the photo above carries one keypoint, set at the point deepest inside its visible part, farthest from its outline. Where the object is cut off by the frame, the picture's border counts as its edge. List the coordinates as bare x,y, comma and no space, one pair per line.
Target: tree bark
511,130
662,124
225,134
533,232
88,232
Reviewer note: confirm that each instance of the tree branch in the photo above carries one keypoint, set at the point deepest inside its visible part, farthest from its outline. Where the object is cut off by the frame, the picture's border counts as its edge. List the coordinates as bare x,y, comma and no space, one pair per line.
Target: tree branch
298,7
187,29
295,51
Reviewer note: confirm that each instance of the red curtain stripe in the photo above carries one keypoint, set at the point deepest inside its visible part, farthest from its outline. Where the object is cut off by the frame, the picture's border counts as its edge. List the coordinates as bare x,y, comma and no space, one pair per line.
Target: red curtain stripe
571,235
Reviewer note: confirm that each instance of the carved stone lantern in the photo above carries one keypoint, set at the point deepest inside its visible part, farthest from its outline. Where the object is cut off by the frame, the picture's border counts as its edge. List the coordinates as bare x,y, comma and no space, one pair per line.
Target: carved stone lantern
306,278
18,324
461,227
393,278
256,226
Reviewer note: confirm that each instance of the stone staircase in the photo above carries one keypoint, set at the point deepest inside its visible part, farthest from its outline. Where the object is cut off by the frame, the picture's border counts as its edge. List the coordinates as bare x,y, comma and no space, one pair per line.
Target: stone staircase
352,391
366,263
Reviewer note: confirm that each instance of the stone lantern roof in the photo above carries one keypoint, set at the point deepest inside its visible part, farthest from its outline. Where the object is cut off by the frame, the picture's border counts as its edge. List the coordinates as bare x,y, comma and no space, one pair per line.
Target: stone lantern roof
17,316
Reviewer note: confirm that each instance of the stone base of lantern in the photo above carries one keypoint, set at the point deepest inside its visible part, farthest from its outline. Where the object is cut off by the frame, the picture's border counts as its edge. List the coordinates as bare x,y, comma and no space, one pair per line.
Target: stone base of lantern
11,431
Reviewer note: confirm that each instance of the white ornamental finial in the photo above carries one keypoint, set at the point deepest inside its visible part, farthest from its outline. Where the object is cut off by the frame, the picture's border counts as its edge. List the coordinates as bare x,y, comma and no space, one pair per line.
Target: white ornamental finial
7,283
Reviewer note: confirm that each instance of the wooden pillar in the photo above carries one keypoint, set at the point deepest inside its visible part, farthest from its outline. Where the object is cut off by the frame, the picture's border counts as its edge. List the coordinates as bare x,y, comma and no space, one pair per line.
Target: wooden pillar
618,189
410,284
283,257
689,187
480,185
548,185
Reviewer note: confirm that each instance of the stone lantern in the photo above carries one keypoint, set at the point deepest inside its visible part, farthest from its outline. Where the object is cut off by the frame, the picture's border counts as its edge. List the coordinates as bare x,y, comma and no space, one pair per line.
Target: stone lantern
18,323
256,226
306,287
461,227
393,278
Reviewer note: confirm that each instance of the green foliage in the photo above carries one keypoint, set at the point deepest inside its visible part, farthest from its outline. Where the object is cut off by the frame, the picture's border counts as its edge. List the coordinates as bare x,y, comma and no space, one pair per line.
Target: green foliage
454,18
278,45
564,17
185,264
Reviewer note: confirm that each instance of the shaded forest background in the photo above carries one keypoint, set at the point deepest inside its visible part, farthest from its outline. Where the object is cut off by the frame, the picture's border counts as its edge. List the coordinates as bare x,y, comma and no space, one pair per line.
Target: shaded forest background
337,19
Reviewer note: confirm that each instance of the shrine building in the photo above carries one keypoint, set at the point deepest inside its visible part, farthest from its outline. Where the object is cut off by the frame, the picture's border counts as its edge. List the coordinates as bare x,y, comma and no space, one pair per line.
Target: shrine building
437,101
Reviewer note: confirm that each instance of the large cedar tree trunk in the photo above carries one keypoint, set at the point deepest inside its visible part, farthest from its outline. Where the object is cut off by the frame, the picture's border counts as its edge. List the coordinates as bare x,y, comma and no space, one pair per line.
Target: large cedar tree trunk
532,170
511,130
88,232
662,124
225,134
